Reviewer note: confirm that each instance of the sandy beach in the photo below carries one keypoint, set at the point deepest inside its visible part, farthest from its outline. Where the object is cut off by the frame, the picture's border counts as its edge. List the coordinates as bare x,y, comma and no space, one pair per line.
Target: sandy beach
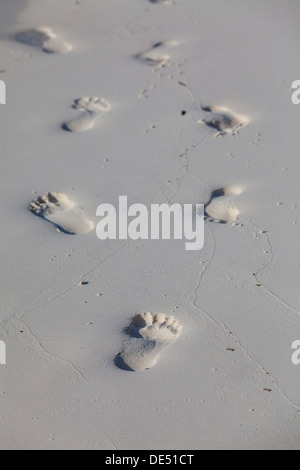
123,344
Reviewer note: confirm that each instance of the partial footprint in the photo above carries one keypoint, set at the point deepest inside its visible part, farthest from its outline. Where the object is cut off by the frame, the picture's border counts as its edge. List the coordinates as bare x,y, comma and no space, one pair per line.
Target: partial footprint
223,120
91,109
165,2
159,54
221,206
45,39
62,212
148,336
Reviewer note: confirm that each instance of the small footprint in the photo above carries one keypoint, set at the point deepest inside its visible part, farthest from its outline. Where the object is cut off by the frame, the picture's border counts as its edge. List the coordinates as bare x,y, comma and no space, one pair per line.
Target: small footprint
62,212
91,110
159,54
44,38
148,336
223,120
165,2
221,206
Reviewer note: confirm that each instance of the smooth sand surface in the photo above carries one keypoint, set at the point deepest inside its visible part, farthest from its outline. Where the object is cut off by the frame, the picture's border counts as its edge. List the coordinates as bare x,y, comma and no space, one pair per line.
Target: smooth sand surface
181,79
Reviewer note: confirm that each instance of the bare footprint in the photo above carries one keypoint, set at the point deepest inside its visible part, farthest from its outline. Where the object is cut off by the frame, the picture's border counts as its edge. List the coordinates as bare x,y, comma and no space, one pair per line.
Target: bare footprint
159,54
221,206
62,212
165,2
44,38
223,120
148,336
91,109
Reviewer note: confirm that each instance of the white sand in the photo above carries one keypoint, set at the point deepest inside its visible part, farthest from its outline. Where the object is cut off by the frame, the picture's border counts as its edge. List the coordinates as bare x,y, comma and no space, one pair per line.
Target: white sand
161,66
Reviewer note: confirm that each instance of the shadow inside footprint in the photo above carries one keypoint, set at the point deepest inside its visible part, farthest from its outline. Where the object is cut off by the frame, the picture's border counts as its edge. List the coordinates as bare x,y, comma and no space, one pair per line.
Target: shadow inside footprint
33,37
121,364
138,323
64,127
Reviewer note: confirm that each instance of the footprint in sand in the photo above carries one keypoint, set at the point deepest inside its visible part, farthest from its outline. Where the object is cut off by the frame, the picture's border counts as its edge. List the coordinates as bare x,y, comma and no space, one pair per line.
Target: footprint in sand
91,109
44,38
62,212
148,336
223,120
221,206
165,2
159,54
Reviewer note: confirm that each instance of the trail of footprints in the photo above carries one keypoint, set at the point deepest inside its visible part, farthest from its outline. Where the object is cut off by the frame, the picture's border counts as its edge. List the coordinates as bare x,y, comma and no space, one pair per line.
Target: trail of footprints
149,334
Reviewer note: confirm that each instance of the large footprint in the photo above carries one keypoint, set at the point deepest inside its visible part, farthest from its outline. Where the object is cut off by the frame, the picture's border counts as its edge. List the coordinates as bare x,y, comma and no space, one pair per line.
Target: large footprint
62,212
45,39
148,336
221,207
225,121
91,109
